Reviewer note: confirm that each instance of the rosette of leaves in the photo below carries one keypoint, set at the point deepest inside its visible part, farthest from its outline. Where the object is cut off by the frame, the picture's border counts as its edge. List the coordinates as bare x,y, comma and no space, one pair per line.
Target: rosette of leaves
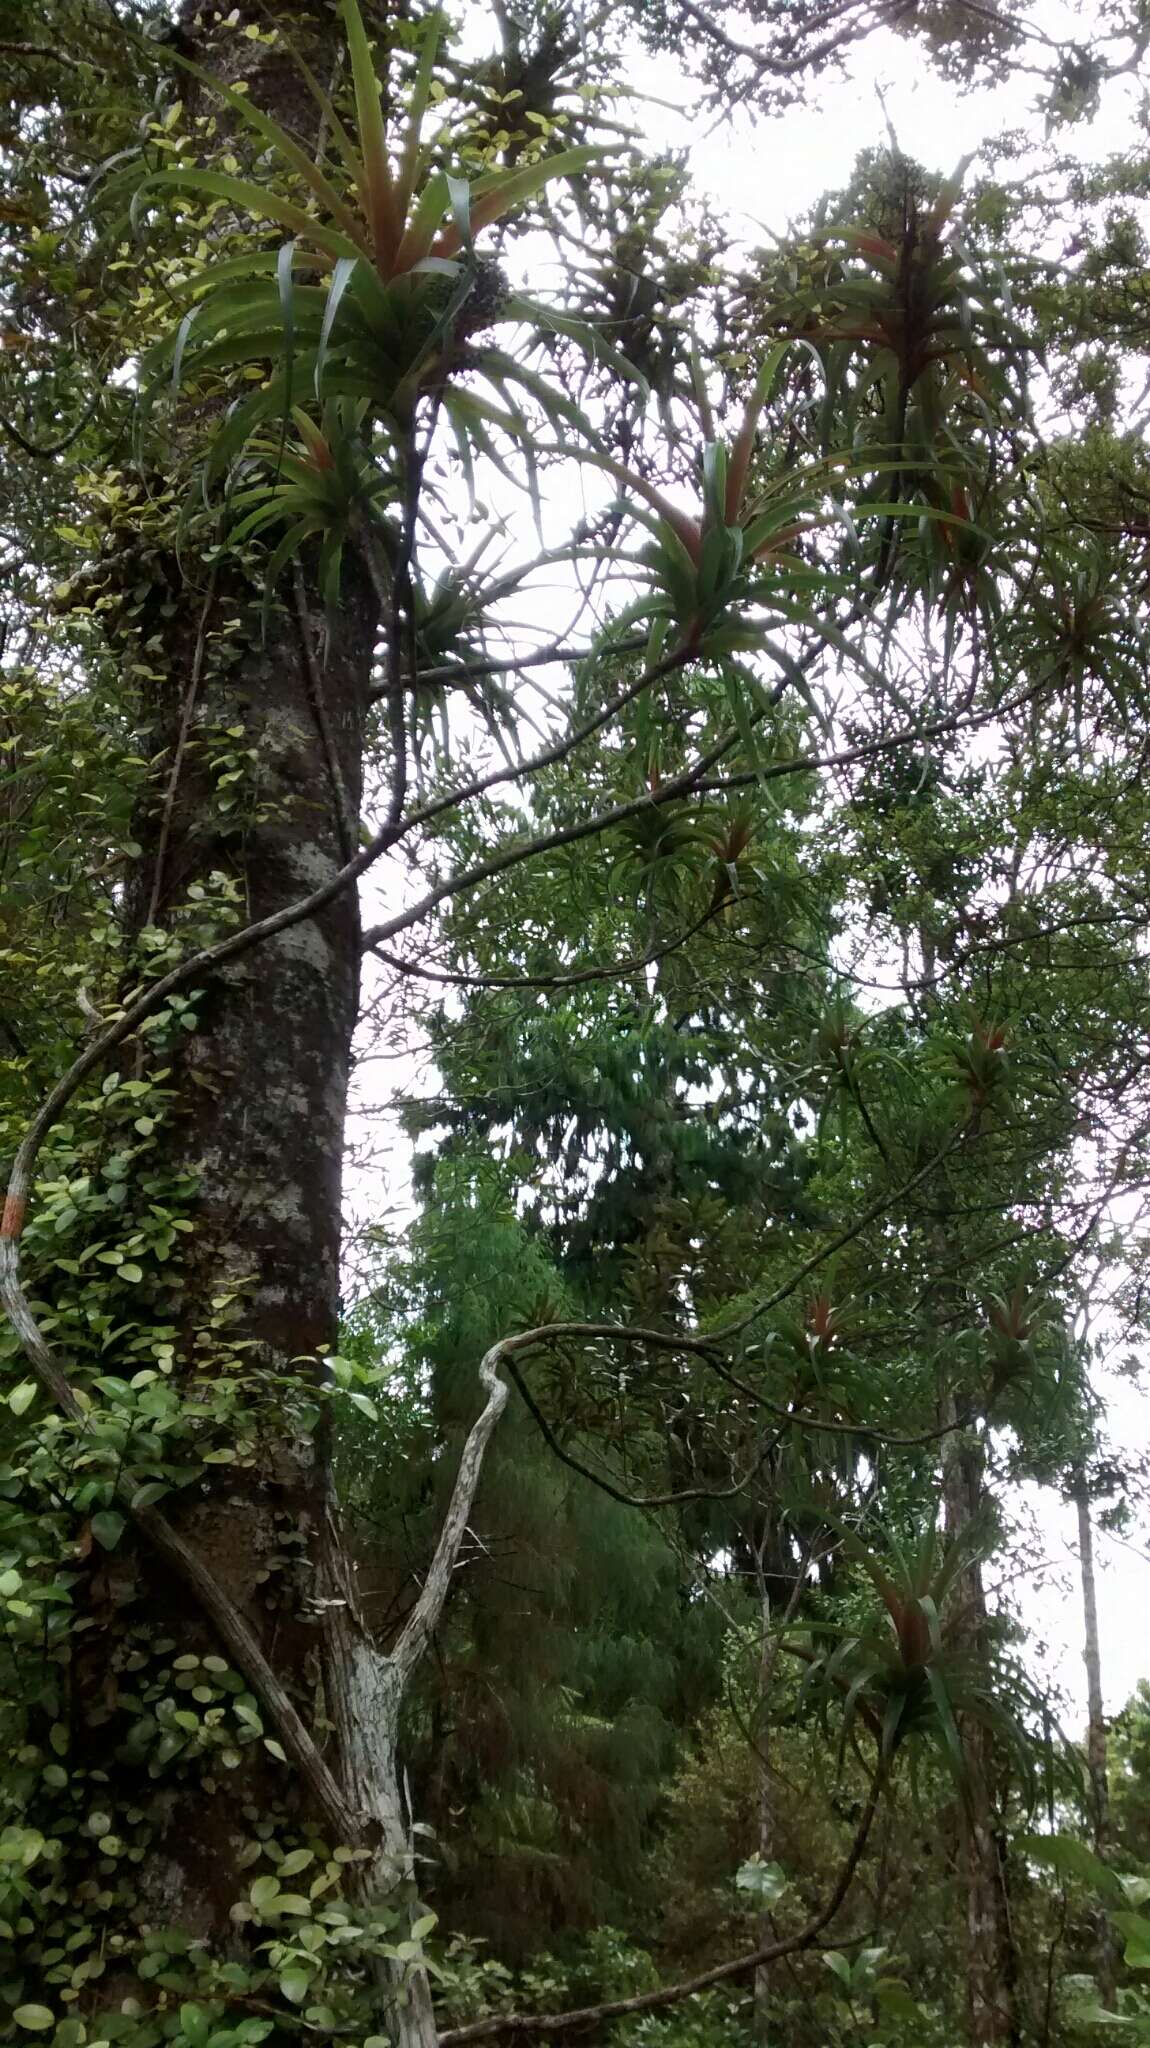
1085,629
705,570
374,295
901,1673
317,488
455,620
922,365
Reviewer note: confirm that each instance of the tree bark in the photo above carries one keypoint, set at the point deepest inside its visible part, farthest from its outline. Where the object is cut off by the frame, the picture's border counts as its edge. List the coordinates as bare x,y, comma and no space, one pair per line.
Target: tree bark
768,1651
1096,1748
257,1124
991,1960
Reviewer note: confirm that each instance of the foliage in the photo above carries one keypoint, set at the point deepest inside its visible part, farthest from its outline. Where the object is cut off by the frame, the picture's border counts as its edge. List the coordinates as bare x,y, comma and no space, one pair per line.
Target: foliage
771,932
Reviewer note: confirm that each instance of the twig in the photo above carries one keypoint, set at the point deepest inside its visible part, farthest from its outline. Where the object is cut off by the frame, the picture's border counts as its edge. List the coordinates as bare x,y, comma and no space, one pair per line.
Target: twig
186,715
574,979
474,671
59,447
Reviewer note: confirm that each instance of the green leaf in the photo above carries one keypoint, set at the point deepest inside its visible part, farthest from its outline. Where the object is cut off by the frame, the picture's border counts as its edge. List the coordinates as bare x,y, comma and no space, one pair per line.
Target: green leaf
1068,1857
282,142
146,1496
1136,1929
495,194
196,2025
36,2018
459,194
765,1882
108,1527
342,276
262,203
22,1397
295,1985
895,1999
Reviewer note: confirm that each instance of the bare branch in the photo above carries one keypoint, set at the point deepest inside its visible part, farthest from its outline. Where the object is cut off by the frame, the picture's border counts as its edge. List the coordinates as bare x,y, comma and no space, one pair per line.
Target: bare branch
575,978
424,1617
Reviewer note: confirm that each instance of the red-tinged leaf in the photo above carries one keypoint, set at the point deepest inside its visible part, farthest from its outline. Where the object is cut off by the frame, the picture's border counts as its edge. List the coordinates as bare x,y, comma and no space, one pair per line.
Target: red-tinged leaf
419,235
685,528
377,192
316,443
420,94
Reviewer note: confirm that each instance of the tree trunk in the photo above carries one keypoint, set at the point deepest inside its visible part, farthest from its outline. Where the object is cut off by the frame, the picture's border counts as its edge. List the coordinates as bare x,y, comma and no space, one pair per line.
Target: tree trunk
1096,1757
991,1962
254,745
257,745
766,1841
257,1127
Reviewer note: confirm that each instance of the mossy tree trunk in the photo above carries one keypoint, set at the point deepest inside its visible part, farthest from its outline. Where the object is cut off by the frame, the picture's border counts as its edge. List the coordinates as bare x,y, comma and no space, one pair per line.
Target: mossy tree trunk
255,728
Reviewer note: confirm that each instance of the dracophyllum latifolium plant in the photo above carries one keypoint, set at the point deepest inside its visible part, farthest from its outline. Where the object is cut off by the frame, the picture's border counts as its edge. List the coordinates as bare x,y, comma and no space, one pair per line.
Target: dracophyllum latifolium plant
371,300
902,1672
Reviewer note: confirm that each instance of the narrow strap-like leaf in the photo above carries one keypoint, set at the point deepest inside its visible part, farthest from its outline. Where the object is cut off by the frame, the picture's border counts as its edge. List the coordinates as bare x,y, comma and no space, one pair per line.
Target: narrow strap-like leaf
417,108
497,193
284,144
378,191
341,278
285,287
258,201
459,194
424,224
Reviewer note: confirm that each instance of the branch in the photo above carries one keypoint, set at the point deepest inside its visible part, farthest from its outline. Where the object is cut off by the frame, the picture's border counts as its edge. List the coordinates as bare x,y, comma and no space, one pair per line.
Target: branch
557,750
345,819
689,782
474,671
574,979
46,51
607,1486
186,715
87,416
424,1617
671,1994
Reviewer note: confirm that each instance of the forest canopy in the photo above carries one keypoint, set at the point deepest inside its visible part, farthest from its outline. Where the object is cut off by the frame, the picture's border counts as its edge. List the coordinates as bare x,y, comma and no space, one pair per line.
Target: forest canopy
633,719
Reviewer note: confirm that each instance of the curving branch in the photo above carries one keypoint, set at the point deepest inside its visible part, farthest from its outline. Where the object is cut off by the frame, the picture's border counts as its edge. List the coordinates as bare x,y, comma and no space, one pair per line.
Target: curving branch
690,781
576,977
425,1615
